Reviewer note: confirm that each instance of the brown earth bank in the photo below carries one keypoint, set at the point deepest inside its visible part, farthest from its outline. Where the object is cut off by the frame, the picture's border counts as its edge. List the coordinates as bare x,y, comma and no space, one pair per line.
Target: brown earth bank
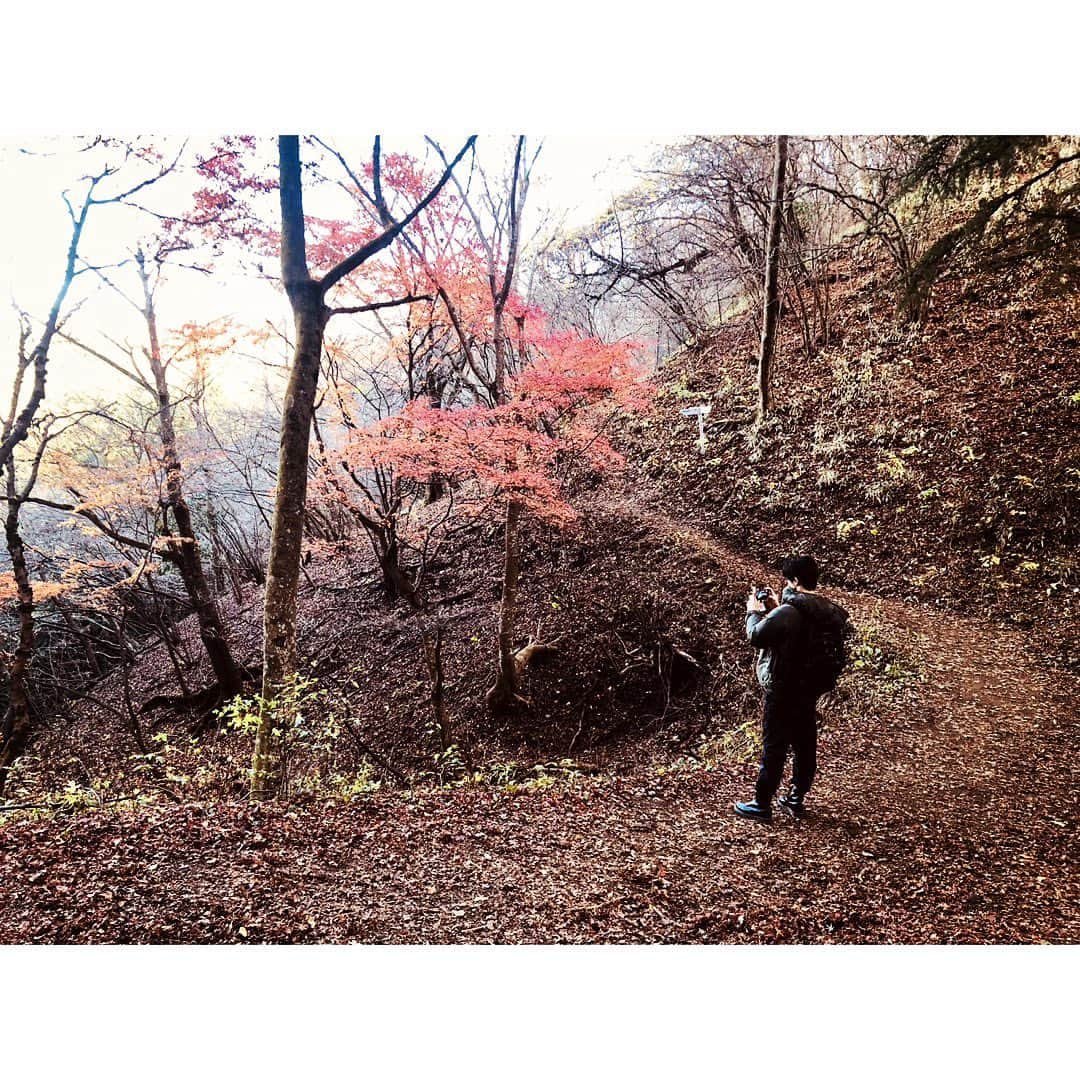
945,811
938,462
651,662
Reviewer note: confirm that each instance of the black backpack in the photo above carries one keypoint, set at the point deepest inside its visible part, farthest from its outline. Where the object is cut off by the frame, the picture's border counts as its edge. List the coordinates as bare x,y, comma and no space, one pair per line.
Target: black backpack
825,648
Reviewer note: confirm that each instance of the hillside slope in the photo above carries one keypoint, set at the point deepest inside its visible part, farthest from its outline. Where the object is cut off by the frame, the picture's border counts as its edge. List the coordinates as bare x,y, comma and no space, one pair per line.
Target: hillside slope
651,659
935,473
946,815
939,463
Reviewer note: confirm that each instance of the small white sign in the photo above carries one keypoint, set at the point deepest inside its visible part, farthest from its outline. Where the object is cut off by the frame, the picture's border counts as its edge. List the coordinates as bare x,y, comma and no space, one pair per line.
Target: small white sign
700,411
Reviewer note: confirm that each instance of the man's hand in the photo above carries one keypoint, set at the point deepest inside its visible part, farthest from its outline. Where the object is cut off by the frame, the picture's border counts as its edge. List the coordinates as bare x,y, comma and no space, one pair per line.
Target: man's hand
753,603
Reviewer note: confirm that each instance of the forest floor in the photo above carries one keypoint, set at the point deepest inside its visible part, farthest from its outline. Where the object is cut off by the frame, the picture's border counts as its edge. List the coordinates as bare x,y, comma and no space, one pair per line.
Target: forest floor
948,815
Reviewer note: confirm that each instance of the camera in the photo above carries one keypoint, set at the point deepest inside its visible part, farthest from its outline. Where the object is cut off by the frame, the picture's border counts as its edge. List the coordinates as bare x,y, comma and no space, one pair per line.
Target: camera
766,597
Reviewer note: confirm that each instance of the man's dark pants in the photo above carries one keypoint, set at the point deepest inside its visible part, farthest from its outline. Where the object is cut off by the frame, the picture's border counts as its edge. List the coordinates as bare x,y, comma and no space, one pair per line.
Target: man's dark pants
790,722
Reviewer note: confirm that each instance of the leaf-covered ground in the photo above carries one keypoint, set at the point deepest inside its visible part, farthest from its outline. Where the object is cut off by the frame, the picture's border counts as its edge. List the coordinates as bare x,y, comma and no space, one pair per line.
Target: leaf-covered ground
948,815
938,463
933,469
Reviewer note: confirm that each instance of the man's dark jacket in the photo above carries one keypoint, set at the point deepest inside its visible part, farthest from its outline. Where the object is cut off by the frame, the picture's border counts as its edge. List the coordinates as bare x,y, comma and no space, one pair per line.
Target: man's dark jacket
782,637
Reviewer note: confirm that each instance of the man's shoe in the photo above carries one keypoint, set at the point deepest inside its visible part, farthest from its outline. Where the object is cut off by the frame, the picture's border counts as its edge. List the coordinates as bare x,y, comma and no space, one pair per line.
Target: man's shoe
792,802
754,811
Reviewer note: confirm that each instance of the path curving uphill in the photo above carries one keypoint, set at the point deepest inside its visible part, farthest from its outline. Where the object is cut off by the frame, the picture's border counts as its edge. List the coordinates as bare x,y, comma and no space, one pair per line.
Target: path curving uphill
948,816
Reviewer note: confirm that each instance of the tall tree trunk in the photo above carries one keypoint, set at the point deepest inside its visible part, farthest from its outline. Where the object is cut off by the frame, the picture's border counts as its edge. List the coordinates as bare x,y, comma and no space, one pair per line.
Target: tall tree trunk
287,530
16,726
505,691
186,551
772,278
310,315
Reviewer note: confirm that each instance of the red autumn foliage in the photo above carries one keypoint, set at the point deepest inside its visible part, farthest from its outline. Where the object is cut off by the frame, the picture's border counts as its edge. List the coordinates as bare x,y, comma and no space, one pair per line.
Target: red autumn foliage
559,407
233,175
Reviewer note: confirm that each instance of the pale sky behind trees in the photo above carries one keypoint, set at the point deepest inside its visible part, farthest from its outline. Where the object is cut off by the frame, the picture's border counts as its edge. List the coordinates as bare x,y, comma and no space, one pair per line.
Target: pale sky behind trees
574,180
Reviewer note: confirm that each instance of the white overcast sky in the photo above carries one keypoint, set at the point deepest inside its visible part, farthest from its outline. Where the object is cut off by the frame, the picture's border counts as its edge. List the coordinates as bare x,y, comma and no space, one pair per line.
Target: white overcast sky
574,180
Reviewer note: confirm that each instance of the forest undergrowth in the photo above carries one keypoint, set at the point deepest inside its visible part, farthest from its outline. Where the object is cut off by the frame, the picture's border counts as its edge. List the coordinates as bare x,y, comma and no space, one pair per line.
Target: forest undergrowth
943,814
931,466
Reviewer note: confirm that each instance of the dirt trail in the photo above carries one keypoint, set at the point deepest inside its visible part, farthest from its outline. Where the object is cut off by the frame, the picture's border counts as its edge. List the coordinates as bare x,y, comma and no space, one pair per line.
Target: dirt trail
982,677
998,710
948,817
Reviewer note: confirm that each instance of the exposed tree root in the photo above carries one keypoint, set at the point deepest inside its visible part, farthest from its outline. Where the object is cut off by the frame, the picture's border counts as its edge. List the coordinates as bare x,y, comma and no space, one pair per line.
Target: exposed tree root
204,703
504,695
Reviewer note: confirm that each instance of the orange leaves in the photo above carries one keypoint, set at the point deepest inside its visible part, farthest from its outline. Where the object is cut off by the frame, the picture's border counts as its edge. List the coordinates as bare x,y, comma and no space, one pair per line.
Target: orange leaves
43,590
73,577
204,341
331,241
575,386
488,446
568,373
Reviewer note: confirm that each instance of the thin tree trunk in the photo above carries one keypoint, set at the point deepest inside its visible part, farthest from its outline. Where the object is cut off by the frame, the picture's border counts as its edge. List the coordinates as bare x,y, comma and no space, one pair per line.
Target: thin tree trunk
505,691
432,645
16,726
169,638
500,357
217,566
18,426
286,537
433,389
287,531
84,639
186,550
772,276
126,664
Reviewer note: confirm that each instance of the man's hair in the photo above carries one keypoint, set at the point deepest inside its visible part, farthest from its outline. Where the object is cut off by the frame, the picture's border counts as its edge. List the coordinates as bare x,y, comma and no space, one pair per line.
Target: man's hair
801,568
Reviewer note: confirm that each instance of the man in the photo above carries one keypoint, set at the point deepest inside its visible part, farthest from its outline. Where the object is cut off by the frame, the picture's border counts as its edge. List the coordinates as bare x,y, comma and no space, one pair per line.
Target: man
801,642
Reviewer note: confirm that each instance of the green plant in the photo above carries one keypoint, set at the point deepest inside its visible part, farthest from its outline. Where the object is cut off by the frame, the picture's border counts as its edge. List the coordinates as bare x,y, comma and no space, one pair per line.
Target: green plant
680,389
845,528
450,765
893,468
297,714
76,797
503,773
240,714
292,711
158,763
740,745
362,783
855,376
874,654
542,782
832,447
